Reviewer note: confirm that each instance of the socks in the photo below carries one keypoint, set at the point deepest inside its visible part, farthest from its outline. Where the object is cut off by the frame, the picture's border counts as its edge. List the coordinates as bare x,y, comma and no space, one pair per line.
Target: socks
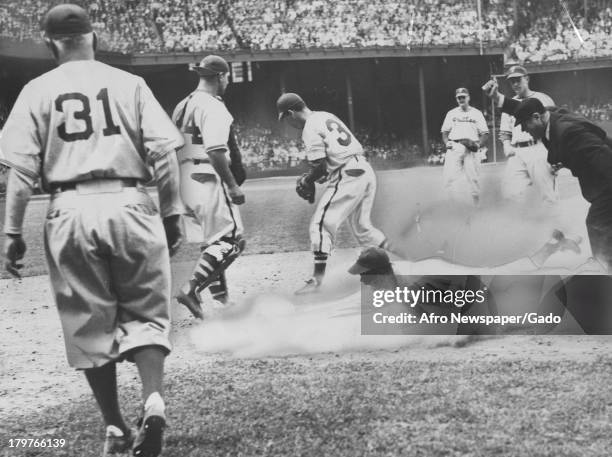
154,405
320,264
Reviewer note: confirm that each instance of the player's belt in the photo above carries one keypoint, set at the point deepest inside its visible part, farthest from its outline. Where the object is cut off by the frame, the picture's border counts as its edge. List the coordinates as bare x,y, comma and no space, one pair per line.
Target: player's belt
524,144
195,161
66,186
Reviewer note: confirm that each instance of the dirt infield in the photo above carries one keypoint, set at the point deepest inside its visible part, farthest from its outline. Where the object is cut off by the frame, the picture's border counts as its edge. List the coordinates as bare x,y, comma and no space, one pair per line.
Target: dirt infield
325,389
34,371
224,404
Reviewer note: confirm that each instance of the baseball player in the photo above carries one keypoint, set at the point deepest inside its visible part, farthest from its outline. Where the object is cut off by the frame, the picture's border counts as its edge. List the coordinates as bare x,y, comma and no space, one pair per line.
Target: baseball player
211,175
527,164
90,132
336,157
464,131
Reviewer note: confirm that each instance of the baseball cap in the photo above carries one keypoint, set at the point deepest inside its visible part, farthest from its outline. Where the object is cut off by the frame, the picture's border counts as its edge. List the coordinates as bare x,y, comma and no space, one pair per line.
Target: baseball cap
210,66
526,109
66,20
371,258
288,101
462,91
516,71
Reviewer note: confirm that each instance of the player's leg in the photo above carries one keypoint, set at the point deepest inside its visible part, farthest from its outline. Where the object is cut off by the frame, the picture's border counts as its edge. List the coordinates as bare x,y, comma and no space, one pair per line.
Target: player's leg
223,229
599,229
103,383
470,168
516,178
330,212
453,166
218,289
140,274
540,171
557,242
360,218
80,278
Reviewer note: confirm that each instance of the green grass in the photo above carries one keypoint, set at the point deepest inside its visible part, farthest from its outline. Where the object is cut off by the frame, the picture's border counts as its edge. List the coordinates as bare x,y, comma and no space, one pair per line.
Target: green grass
328,406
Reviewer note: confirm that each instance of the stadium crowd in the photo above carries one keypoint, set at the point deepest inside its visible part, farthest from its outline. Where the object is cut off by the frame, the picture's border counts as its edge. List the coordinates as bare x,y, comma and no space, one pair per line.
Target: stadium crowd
544,40
543,30
263,149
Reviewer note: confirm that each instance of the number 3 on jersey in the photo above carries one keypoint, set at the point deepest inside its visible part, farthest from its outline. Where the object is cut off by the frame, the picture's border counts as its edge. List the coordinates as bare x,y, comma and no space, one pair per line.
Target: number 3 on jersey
343,136
84,114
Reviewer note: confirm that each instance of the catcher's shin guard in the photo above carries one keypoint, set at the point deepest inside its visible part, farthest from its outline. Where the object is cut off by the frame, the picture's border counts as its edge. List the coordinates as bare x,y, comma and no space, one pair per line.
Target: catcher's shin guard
215,259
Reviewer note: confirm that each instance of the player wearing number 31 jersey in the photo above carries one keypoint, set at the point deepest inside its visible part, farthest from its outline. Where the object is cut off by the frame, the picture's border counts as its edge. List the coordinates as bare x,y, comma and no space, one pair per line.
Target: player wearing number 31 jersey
336,157
91,133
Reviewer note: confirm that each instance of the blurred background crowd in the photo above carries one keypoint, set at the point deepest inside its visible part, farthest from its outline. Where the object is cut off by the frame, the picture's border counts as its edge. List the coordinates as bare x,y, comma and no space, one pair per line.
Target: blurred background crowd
531,30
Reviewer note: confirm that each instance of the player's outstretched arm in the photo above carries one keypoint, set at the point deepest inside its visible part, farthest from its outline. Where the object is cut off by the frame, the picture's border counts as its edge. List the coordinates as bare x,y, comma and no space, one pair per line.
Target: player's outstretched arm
218,159
18,193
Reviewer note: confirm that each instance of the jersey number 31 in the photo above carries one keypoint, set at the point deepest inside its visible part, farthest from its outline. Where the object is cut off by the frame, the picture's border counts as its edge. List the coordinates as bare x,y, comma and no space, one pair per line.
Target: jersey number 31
84,115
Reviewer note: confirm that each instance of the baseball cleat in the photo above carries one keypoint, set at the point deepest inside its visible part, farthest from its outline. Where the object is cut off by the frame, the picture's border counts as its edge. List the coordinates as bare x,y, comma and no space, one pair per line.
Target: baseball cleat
148,443
312,285
191,302
567,244
116,441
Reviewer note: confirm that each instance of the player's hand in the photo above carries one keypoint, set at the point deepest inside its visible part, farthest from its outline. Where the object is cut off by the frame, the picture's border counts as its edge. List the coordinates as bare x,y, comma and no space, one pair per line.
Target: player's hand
236,195
491,89
174,235
14,250
449,144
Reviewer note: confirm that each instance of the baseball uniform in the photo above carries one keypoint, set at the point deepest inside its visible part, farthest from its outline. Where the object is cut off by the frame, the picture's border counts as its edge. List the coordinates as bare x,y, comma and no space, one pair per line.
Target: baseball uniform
205,124
351,183
212,218
528,166
460,172
89,132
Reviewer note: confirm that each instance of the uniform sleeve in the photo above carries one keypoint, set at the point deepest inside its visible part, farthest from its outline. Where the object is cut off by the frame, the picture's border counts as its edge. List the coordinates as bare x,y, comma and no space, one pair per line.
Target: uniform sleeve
314,142
20,142
447,125
547,101
215,127
159,135
506,123
481,123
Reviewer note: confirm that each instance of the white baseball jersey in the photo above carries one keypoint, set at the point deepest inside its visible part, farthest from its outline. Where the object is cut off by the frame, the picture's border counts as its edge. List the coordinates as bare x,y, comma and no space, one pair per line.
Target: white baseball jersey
517,134
460,124
326,137
85,120
205,124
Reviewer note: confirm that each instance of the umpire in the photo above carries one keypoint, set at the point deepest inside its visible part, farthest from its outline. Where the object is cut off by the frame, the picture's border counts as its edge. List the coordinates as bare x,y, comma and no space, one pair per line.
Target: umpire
575,143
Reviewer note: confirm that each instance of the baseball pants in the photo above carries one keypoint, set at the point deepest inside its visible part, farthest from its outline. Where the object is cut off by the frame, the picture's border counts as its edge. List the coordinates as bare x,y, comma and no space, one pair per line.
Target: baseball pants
349,196
212,215
461,173
599,228
529,166
110,271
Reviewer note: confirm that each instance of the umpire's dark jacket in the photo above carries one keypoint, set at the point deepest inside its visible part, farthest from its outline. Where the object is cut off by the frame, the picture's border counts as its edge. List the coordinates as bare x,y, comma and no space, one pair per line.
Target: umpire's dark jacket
584,148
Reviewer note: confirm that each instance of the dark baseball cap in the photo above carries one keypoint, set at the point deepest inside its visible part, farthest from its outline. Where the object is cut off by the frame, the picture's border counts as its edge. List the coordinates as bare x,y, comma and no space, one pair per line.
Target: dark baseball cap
526,109
372,258
66,20
516,71
288,101
211,65
462,91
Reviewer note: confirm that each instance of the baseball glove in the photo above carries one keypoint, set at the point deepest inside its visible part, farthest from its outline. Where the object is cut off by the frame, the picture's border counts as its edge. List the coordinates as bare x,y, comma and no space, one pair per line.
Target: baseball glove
305,189
471,145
